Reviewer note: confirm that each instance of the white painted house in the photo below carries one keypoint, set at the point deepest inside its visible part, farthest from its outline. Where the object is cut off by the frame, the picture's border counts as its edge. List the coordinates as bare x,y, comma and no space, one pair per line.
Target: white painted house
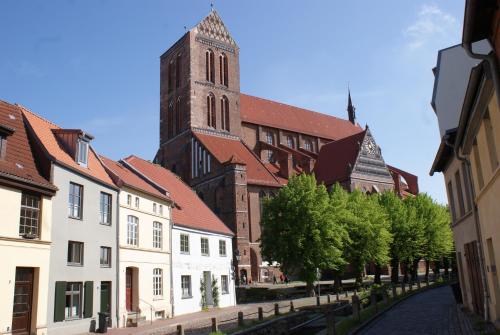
144,247
201,246
82,277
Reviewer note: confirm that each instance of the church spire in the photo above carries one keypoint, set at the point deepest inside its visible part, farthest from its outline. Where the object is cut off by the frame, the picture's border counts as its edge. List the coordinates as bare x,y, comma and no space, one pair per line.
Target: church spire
351,110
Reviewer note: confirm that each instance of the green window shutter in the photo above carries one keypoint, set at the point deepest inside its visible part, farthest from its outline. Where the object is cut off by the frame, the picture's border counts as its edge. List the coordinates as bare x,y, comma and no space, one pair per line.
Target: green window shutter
89,301
60,301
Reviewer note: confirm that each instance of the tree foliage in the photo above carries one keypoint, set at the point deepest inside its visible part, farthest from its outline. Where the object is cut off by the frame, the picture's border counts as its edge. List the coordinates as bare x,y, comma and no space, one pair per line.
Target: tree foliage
300,230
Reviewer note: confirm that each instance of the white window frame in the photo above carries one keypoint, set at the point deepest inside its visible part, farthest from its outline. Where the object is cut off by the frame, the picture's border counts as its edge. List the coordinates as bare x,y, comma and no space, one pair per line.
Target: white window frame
75,201
205,246
73,290
224,284
157,283
105,257
222,248
105,209
83,152
157,235
186,287
75,250
184,245
132,230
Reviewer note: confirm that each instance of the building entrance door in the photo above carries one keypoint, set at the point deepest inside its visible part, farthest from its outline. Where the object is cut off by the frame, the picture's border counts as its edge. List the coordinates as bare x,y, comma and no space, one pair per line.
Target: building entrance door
472,255
128,289
208,287
23,295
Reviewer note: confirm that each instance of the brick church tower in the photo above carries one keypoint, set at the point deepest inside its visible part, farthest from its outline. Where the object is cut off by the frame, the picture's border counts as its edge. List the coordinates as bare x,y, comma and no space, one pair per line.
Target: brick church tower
199,99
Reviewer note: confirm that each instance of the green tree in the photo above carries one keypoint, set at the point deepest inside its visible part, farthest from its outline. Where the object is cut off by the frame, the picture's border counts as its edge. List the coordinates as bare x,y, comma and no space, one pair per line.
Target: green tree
300,230
369,233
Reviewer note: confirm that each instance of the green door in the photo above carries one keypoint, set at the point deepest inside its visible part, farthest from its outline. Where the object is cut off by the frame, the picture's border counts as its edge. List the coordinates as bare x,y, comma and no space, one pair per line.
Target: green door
106,297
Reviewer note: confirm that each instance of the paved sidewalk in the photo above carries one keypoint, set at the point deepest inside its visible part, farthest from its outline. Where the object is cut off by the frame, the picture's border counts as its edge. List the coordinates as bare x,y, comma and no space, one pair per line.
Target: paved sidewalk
433,312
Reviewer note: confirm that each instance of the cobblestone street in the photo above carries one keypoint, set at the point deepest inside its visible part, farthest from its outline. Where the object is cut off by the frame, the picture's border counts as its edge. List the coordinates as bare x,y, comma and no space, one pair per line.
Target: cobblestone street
433,312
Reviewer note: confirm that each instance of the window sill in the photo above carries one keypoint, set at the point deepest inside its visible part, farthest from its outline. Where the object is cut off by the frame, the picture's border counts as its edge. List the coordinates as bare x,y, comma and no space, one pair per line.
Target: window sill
187,297
185,253
105,224
222,255
75,264
105,266
75,218
158,298
206,255
225,293
74,319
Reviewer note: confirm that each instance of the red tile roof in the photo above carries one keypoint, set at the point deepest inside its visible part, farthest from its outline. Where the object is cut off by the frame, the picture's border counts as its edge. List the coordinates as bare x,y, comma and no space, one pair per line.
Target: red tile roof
277,115
19,164
190,211
42,129
409,179
123,175
336,158
227,150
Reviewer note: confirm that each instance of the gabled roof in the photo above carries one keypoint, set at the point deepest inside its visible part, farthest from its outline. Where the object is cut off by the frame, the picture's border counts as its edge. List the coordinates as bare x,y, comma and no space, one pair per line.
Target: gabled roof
229,150
336,159
277,115
125,176
190,211
43,131
213,27
19,165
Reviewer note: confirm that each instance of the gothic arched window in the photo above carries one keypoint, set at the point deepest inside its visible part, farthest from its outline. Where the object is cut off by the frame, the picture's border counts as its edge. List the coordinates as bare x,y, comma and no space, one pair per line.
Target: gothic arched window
178,116
262,195
170,76
223,69
170,119
209,66
178,71
224,113
211,117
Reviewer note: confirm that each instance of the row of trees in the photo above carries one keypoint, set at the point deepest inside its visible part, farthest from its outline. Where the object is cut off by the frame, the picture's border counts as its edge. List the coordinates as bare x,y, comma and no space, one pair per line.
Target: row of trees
305,228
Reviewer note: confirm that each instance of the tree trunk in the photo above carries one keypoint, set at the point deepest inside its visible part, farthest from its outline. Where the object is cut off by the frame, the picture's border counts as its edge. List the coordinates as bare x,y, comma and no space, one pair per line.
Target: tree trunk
427,266
378,273
446,263
405,272
394,270
337,283
310,290
414,270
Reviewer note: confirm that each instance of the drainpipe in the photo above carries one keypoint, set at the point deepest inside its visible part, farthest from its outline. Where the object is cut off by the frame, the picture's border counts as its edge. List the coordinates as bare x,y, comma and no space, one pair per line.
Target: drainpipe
171,225
478,227
117,285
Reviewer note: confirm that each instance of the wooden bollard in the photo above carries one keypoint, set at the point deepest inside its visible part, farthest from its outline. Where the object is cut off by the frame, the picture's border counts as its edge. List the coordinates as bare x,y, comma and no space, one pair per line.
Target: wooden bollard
394,291
180,330
337,296
215,325
276,309
355,307
328,299
330,323
317,300
240,318
261,314
292,308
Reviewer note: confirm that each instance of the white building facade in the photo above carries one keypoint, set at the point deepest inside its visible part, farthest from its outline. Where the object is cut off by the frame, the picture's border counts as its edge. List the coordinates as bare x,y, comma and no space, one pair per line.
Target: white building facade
200,260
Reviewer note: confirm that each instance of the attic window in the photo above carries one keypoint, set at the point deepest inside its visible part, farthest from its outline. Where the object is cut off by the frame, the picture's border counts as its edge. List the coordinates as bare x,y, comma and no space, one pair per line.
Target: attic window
4,133
83,152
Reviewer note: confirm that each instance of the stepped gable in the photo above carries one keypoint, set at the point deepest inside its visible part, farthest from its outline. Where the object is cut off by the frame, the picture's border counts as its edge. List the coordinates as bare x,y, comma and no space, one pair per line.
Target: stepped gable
19,164
44,132
277,115
212,27
124,176
189,210
233,150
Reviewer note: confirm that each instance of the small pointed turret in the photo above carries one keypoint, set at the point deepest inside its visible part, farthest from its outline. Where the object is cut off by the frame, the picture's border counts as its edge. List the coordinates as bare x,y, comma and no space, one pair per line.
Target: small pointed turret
351,110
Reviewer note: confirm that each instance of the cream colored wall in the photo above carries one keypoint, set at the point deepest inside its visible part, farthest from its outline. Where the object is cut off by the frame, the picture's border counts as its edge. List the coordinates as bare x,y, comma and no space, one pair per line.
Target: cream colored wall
18,252
488,203
144,258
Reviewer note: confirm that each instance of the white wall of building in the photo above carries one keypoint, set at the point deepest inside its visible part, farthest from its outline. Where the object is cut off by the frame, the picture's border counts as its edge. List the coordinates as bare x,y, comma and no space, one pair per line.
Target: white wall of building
93,234
18,252
144,257
194,264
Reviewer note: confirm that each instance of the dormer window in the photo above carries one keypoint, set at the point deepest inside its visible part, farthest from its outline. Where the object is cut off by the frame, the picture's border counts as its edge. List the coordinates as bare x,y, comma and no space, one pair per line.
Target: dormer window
4,133
83,152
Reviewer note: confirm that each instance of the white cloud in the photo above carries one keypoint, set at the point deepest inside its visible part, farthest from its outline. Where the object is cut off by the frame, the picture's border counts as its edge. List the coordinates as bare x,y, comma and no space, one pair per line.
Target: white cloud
431,24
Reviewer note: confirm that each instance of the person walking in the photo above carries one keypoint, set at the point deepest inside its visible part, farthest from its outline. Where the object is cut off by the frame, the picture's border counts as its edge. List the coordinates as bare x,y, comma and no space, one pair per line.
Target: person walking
274,279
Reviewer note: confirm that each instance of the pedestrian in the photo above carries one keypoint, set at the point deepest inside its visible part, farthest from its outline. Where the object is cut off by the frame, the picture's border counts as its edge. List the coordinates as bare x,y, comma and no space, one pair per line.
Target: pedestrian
274,279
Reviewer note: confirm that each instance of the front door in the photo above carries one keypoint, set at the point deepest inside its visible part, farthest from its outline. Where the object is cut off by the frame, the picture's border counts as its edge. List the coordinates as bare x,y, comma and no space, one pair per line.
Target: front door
208,287
23,294
106,297
128,289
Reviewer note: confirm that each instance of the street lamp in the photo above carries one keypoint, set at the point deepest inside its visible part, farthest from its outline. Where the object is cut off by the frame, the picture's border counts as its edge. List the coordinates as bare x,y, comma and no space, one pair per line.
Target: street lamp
237,255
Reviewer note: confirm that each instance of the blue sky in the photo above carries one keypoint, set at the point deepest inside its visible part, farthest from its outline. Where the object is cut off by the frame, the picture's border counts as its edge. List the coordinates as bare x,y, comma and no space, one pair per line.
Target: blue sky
95,64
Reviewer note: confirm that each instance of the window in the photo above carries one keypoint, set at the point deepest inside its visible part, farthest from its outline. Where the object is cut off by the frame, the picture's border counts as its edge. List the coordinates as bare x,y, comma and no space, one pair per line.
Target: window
178,116
209,66
157,283
170,76
75,253
269,138
465,174
460,194
154,208
204,247
132,230
451,201
30,216
73,309
186,286
184,243
490,141
223,70
200,160
105,212
157,234
129,200
270,157
211,117
262,195
289,141
136,202
222,248
308,145
224,113
105,257
3,145
178,71
170,119
477,161
75,200
224,284
83,152
161,209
